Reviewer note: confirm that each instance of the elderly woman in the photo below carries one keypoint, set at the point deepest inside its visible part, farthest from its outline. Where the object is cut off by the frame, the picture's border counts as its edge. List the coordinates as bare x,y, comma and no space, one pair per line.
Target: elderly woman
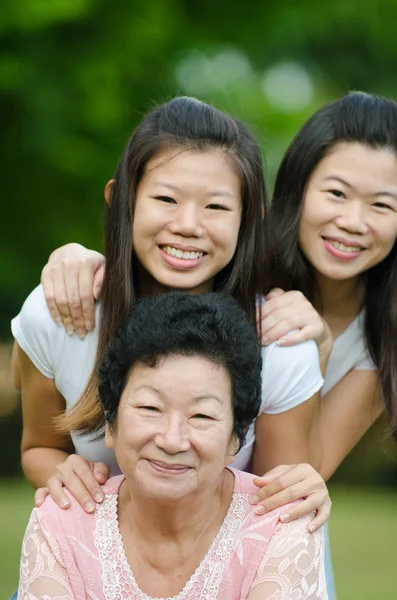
179,386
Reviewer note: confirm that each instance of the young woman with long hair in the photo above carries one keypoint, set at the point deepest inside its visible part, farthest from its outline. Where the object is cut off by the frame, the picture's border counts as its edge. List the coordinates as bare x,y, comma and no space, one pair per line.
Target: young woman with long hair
184,210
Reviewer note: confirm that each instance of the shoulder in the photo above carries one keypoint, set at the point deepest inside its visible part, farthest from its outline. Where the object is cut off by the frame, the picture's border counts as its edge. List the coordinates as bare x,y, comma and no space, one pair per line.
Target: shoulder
243,482
34,312
33,329
74,517
290,375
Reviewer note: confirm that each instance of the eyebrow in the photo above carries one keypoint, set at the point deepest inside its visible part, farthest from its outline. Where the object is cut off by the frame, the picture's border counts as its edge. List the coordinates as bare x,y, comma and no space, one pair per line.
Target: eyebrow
392,195
171,186
200,398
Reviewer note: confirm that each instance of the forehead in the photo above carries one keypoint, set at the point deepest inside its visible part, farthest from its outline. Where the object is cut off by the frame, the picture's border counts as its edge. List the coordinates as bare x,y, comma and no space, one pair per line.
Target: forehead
186,377
205,168
359,164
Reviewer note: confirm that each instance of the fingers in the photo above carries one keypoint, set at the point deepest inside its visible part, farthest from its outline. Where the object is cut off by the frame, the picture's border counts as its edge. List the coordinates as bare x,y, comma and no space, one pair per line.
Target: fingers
283,314
98,281
278,499
40,496
101,472
49,294
55,489
80,477
77,475
87,301
321,518
309,332
69,279
271,475
275,293
286,484
61,296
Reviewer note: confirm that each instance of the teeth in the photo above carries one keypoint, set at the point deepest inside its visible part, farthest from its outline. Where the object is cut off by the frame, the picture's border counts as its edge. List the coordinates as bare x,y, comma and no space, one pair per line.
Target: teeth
180,254
344,248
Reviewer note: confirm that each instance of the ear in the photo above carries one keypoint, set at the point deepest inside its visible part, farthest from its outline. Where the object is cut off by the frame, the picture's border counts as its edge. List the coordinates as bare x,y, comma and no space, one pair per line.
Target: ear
108,191
109,441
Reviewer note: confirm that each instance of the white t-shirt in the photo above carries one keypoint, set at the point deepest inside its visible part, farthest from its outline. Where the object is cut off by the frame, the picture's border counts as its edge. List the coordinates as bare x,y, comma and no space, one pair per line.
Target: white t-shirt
349,353
290,376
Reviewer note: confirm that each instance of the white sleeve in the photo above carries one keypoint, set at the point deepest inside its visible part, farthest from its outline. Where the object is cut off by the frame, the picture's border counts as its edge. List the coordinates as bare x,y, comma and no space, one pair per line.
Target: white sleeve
365,362
293,565
32,329
290,375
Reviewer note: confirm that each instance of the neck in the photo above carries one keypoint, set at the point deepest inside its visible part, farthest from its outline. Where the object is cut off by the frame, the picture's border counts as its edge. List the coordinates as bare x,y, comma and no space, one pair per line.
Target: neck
175,520
148,286
339,298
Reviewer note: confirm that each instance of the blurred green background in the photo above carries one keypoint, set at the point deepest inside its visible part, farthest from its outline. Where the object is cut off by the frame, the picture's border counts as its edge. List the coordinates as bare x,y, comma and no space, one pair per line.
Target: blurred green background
76,76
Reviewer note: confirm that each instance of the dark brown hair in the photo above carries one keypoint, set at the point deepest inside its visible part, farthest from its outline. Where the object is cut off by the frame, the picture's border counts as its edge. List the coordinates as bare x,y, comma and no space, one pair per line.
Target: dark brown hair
184,124
357,118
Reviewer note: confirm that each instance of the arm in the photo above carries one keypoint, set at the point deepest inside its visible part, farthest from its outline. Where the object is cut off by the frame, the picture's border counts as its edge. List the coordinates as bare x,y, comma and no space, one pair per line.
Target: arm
15,368
47,456
348,411
42,447
288,437
43,573
72,280
293,565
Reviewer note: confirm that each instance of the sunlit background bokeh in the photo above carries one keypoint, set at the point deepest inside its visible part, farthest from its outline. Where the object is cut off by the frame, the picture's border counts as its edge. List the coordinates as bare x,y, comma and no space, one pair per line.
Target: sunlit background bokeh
76,77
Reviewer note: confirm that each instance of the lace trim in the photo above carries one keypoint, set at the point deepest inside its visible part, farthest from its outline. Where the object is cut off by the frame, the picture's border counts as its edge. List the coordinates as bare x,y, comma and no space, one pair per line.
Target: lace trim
117,578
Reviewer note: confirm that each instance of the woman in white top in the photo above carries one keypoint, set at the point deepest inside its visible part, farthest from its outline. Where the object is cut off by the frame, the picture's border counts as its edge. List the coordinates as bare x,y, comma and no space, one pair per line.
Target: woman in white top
189,196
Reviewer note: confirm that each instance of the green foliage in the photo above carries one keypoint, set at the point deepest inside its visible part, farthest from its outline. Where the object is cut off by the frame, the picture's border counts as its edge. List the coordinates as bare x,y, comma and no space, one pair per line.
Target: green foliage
77,75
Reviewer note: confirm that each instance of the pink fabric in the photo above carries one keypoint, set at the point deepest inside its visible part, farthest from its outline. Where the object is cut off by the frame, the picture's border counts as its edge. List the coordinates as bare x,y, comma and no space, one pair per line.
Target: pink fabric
69,554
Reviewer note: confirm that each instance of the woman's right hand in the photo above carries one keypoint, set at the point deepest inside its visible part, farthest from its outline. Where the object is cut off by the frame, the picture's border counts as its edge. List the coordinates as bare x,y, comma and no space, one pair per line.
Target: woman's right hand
72,280
83,479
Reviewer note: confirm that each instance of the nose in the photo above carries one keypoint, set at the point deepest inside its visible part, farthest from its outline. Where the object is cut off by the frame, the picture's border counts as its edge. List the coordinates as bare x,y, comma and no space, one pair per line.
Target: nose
187,221
173,437
353,217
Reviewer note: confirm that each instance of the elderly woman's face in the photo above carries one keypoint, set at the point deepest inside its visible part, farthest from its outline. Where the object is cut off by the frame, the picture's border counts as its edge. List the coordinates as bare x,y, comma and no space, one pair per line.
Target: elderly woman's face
174,429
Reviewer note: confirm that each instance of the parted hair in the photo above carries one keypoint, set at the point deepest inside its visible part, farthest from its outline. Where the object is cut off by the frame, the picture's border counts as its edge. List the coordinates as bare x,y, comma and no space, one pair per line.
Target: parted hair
211,326
358,118
184,124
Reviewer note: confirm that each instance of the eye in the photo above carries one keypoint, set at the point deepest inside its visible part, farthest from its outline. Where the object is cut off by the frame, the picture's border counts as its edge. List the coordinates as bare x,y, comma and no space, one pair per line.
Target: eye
337,193
383,206
202,416
166,199
152,409
218,207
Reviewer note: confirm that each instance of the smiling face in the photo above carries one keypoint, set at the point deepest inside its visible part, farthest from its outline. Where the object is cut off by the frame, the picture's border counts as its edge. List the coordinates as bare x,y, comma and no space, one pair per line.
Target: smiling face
349,214
174,431
186,220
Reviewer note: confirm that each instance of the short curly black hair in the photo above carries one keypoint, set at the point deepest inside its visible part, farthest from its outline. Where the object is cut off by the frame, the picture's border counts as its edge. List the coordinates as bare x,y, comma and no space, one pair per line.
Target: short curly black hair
212,326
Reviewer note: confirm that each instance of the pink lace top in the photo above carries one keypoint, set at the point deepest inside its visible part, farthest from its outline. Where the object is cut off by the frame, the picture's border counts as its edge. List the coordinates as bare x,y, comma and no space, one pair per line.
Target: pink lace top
68,554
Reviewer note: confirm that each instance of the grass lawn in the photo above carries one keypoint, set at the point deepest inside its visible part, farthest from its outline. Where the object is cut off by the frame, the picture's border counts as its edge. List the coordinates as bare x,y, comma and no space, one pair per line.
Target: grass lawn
363,535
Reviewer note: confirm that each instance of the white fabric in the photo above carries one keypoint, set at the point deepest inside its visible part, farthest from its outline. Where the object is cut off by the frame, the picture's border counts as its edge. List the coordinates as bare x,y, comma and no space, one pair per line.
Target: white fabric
290,376
349,353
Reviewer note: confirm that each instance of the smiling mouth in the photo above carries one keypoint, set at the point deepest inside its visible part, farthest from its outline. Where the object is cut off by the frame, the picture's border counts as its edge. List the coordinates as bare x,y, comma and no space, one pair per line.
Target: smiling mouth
168,469
343,247
182,254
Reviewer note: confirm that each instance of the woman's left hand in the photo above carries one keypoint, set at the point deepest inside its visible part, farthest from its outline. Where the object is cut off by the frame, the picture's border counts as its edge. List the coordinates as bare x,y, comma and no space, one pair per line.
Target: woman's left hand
288,483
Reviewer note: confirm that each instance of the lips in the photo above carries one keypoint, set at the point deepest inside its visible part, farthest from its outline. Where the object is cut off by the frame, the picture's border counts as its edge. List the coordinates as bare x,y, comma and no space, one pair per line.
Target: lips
344,244
185,254
168,468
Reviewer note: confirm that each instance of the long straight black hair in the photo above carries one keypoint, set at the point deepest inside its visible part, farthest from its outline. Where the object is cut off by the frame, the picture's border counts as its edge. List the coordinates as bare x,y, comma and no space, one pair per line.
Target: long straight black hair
181,124
357,118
